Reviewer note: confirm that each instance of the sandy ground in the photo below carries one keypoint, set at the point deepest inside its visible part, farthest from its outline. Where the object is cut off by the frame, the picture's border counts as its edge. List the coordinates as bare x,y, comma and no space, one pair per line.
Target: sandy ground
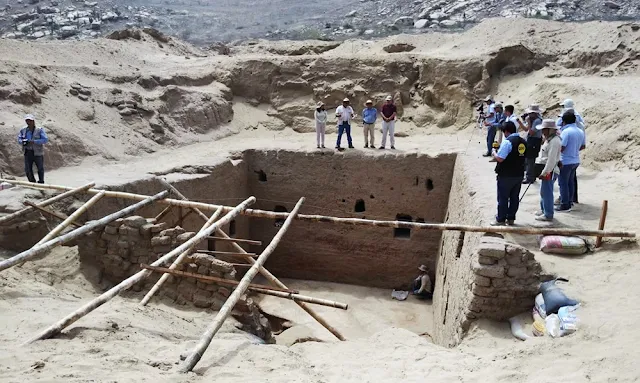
122,342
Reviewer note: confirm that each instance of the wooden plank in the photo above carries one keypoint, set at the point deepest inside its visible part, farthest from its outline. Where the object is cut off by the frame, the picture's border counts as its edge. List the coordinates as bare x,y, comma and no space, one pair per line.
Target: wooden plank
603,219
52,213
237,240
227,253
76,214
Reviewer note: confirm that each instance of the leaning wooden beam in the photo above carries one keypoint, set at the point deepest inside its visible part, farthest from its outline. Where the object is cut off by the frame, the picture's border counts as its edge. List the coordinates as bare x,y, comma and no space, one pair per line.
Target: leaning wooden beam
265,273
226,308
132,280
247,241
361,222
46,202
164,212
73,217
49,212
221,281
230,254
177,261
260,289
39,249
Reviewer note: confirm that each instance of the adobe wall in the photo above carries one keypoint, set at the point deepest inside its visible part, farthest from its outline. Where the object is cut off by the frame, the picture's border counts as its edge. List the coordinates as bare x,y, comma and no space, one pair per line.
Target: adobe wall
22,233
478,275
413,185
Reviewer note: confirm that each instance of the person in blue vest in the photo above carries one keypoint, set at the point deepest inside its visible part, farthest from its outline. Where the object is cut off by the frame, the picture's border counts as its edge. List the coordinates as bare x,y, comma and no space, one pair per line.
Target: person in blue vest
510,167
32,140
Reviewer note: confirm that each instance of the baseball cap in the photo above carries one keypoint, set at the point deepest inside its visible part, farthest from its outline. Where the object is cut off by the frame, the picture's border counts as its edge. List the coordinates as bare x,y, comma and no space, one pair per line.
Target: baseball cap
29,117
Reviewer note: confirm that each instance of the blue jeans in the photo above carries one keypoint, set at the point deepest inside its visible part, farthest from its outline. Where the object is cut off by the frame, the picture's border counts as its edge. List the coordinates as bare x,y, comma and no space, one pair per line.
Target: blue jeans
29,160
546,197
491,136
508,198
344,127
567,187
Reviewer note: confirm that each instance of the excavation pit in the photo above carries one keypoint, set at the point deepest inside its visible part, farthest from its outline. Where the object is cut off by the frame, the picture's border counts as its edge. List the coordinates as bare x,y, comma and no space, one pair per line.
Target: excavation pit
474,276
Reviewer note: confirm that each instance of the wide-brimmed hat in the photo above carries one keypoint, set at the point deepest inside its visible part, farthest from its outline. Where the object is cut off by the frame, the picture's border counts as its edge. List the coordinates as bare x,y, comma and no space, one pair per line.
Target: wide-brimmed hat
29,117
368,102
389,98
568,104
489,98
422,268
547,123
320,103
534,108
345,100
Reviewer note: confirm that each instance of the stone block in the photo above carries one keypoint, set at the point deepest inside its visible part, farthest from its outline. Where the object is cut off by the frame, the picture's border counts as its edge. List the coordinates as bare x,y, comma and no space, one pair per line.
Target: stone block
482,281
124,253
101,243
162,250
122,244
492,250
506,294
202,259
109,237
230,275
145,231
157,228
139,250
112,250
160,240
515,271
494,271
184,237
191,268
135,221
111,230
513,249
173,232
203,270
143,260
487,260
223,266
128,231
514,259
116,223
482,291
223,291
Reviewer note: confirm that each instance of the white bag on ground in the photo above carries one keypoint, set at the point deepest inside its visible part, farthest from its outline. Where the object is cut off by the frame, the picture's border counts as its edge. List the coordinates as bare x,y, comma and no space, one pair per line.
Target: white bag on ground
557,244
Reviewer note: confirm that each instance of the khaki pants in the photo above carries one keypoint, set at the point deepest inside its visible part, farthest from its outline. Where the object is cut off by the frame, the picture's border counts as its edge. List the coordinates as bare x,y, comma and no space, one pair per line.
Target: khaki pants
369,130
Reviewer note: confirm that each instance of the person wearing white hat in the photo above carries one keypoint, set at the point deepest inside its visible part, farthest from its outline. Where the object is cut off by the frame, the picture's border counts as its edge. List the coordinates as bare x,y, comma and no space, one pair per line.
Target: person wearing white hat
422,284
32,140
369,116
388,112
321,124
344,113
547,167
533,118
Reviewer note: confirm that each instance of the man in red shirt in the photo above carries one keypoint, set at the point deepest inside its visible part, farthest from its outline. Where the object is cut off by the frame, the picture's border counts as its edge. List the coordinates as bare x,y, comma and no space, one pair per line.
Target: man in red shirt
388,122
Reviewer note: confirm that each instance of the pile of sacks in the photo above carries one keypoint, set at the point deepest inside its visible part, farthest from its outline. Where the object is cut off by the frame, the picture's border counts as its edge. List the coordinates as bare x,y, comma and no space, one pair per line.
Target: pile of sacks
554,313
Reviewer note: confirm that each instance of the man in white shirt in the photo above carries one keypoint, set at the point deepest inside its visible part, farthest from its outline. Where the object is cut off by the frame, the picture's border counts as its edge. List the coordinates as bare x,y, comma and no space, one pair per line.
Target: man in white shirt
344,113
422,284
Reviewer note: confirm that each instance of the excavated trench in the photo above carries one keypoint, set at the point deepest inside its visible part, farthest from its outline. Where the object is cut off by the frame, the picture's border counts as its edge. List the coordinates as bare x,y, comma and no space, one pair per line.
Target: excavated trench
405,187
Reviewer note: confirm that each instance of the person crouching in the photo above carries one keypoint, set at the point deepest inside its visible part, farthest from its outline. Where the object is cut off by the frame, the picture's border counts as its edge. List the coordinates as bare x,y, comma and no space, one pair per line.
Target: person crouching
510,158
547,164
422,284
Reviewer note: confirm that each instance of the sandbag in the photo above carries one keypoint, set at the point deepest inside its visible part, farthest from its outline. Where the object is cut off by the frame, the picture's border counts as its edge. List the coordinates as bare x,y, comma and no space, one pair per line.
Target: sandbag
540,307
557,244
554,297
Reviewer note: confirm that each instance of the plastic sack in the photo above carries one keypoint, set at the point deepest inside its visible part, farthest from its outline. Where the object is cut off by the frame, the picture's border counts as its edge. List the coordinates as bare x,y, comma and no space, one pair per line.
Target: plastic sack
554,297
399,295
557,244
5,185
538,327
540,307
568,319
516,328
552,323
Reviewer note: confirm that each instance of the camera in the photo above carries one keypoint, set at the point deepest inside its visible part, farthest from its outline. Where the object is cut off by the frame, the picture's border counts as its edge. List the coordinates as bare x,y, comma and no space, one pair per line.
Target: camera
25,142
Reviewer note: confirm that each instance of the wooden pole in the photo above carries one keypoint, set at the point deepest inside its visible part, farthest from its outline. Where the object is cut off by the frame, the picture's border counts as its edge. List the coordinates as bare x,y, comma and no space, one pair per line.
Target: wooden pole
39,249
603,219
361,222
247,241
230,254
177,261
260,289
50,212
164,212
265,273
231,282
47,202
73,217
226,308
132,280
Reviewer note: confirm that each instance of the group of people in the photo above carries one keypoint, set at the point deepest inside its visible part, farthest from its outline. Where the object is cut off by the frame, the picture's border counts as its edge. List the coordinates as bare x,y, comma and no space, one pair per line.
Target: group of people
345,114
550,152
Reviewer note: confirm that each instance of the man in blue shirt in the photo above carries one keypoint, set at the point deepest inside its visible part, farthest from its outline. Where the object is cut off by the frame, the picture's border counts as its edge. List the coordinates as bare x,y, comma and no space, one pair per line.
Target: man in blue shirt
493,125
369,116
568,105
31,140
573,140
510,157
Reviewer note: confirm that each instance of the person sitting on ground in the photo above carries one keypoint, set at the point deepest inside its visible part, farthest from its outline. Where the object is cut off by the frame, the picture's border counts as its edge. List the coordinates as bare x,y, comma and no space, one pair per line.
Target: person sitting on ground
573,141
32,140
388,112
369,116
344,113
510,170
422,284
547,162
321,124
493,126
534,140
568,105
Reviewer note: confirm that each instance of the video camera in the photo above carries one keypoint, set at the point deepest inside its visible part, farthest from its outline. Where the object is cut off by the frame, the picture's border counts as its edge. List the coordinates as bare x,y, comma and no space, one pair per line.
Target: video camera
25,142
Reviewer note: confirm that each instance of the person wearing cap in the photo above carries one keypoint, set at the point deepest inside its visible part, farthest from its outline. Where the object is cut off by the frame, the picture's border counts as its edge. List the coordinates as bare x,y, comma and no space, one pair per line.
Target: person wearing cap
573,140
493,125
344,113
568,105
32,140
510,158
422,284
369,116
388,113
533,119
547,167
490,108
321,124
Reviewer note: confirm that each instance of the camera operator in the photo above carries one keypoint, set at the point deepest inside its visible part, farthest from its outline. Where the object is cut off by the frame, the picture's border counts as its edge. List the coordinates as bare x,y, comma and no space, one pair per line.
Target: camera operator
32,139
493,124
532,118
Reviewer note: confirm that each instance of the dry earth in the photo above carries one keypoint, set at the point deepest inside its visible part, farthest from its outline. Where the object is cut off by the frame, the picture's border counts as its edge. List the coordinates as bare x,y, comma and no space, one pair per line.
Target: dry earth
186,110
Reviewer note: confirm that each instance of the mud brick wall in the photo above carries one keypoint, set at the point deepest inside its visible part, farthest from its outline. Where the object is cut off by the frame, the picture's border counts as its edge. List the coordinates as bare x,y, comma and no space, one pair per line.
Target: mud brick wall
23,232
119,248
